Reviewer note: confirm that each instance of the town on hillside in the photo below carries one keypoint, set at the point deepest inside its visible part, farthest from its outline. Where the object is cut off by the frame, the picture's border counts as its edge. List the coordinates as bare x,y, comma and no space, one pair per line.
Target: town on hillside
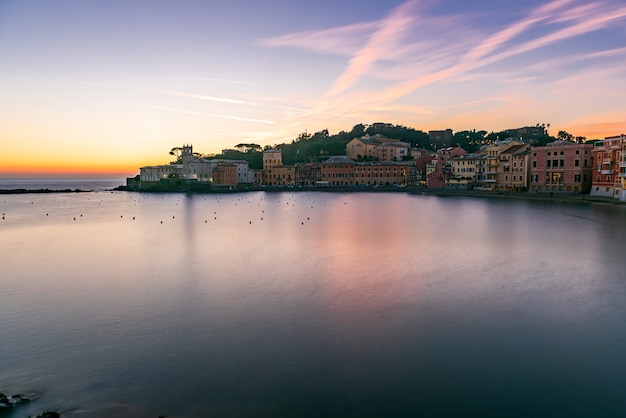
511,164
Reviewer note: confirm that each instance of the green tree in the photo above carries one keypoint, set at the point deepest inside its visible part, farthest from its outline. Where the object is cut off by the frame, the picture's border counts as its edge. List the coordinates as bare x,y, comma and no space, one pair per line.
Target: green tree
565,136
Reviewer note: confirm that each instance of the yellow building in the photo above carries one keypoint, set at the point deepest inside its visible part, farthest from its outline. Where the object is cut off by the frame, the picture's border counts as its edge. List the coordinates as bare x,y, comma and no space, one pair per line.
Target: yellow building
360,148
492,166
468,172
513,168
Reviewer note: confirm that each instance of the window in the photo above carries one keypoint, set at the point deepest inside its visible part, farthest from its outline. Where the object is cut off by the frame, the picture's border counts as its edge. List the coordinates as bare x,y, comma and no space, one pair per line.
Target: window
576,178
534,164
576,163
577,152
561,163
548,163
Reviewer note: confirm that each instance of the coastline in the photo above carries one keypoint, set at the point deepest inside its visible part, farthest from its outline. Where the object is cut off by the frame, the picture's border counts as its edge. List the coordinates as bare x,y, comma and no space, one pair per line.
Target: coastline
412,190
28,191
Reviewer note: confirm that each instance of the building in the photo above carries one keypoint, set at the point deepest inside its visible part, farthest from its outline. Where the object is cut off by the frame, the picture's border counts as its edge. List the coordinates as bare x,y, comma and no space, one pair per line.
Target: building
308,174
155,173
392,151
384,174
194,168
607,160
337,171
512,170
272,157
561,167
274,172
467,172
622,172
362,148
440,136
492,153
439,170
225,174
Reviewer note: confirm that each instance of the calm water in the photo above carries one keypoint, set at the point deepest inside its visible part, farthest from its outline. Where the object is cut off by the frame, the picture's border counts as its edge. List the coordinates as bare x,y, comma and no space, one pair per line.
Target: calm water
60,184
312,304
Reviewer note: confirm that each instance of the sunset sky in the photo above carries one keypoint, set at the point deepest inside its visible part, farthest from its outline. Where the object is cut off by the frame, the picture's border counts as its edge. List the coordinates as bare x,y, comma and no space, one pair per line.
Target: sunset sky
92,86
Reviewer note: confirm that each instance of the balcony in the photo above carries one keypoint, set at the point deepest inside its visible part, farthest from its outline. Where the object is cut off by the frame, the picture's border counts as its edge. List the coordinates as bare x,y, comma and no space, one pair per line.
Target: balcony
606,172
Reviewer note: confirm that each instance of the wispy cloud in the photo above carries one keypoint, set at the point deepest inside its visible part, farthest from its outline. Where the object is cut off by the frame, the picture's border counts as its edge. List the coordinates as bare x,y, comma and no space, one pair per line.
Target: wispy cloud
341,41
223,80
176,93
213,115
382,40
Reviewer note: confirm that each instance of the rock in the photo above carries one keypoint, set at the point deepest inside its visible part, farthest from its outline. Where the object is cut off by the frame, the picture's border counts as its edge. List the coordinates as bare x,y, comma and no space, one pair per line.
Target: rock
48,414
10,401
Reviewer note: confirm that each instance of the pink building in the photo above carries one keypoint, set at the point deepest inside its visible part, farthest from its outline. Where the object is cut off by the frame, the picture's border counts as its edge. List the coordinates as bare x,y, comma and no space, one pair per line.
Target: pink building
392,151
451,152
440,169
561,167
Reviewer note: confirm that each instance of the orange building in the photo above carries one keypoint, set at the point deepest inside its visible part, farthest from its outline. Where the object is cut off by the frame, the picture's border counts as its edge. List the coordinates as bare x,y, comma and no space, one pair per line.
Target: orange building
337,171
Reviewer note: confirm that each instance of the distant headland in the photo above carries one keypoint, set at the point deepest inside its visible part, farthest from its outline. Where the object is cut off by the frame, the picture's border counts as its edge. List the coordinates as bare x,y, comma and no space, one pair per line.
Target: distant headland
522,162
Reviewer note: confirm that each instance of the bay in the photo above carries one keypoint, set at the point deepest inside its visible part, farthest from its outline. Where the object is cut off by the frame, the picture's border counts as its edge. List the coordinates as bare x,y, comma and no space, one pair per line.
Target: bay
312,304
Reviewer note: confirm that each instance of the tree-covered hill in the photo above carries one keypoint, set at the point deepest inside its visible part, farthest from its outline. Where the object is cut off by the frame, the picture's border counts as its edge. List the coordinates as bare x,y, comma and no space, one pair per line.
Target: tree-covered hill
320,145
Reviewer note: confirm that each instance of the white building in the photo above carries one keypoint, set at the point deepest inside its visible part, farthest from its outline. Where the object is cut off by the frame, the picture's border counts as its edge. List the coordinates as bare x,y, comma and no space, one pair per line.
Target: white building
194,168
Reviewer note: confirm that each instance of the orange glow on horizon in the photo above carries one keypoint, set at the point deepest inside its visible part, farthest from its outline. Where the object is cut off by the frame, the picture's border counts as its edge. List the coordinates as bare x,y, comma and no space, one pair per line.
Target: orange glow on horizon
68,170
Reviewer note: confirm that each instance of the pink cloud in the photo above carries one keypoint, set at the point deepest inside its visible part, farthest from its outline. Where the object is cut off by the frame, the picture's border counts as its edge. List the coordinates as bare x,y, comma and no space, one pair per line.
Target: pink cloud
384,39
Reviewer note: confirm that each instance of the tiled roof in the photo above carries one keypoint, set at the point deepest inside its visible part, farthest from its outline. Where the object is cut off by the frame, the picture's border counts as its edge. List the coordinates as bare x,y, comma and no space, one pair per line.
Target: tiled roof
338,159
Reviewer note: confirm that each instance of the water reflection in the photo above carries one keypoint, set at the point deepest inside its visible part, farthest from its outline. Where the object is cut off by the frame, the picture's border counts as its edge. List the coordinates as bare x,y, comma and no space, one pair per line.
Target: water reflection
331,304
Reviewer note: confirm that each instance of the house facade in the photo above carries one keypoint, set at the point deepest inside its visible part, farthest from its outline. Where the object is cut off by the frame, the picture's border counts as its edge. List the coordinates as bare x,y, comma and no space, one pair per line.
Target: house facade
392,151
361,148
338,171
607,160
467,172
513,169
492,170
192,167
561,167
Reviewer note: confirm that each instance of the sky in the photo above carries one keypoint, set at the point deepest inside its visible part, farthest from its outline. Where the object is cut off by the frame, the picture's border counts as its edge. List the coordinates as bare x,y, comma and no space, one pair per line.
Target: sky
104,87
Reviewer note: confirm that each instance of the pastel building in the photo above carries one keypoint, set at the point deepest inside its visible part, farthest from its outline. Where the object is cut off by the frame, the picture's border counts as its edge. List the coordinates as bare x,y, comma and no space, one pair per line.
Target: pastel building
337,171
492,170
193,167
439,170
362,148
622,172
513,168
607,166
274,172
392,151
467,172
561,167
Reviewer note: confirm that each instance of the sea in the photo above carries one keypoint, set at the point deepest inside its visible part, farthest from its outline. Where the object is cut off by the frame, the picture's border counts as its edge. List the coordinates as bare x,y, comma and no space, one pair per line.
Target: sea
310,304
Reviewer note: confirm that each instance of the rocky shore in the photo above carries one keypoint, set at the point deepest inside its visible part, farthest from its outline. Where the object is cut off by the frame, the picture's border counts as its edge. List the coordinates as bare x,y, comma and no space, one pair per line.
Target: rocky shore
25,191
10,402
